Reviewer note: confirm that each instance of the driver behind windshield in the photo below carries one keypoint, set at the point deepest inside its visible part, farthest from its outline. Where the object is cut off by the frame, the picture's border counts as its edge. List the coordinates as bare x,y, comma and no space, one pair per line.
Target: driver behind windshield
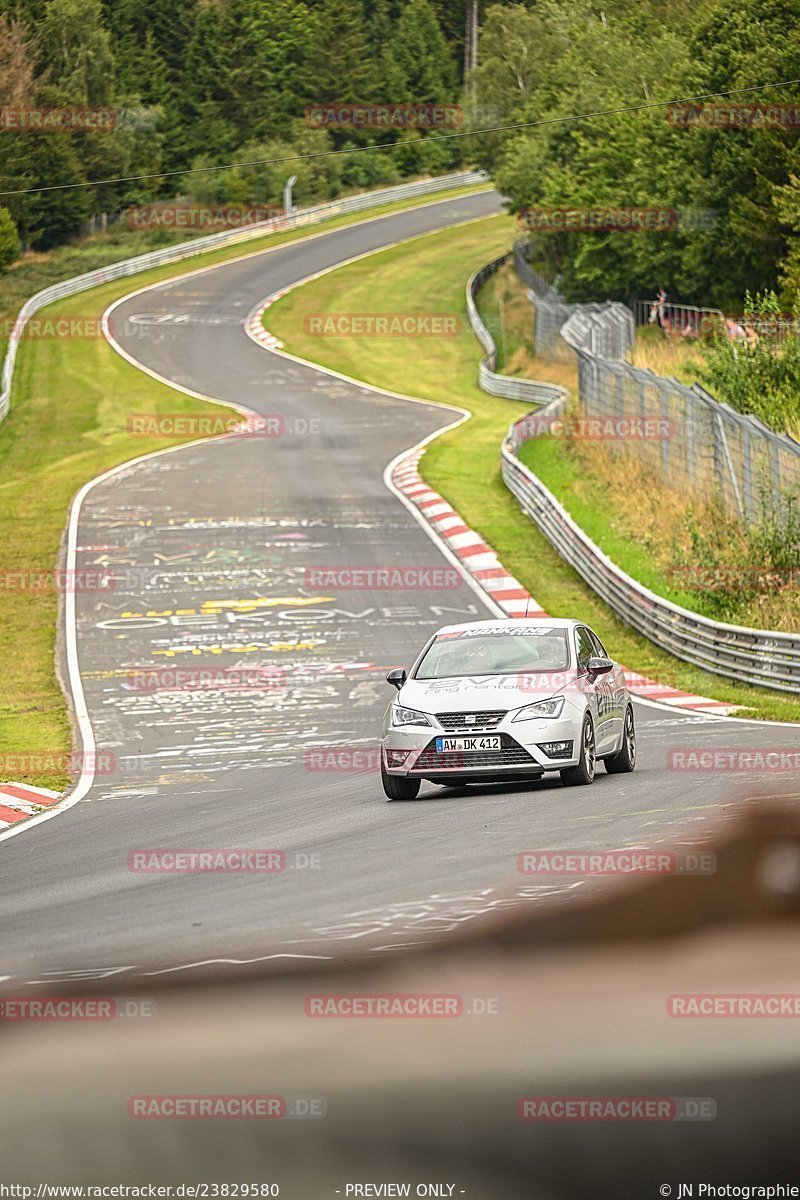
488,655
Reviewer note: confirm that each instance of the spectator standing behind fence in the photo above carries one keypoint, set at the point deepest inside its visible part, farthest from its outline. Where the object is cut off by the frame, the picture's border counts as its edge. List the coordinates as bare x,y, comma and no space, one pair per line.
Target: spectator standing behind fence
734,331
658,312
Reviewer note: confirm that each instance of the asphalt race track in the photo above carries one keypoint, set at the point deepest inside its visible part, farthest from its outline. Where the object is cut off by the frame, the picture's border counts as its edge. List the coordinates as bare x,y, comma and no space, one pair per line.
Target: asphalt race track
210,544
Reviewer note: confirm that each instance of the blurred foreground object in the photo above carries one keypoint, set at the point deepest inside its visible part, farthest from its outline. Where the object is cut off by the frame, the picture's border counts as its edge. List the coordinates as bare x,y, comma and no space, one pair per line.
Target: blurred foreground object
567,999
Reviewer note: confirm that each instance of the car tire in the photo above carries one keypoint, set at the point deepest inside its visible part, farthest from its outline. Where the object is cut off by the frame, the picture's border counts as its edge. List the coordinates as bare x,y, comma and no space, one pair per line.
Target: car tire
625,758
398,788
584,772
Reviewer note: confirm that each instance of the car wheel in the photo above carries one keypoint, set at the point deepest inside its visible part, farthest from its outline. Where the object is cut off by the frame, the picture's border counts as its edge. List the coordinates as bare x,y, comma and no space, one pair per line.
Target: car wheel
584,771
398,788
625,758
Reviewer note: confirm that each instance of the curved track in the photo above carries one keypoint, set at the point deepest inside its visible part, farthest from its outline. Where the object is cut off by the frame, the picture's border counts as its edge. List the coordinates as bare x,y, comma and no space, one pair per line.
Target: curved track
211,543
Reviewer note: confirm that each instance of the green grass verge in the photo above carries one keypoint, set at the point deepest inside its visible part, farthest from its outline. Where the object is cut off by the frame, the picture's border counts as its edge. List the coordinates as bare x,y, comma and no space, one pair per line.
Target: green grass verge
429,275
67,425
507,313
593,509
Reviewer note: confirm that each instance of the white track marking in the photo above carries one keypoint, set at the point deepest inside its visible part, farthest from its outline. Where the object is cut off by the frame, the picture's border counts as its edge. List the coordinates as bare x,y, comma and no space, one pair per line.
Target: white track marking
86,779
465,415
80,789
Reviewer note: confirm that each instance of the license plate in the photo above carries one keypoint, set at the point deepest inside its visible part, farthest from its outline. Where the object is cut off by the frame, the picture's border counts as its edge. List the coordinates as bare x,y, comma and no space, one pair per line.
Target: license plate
445,745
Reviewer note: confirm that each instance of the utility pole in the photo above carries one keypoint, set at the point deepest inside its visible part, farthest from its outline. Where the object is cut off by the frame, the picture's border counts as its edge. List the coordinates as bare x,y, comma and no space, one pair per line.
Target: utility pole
471,43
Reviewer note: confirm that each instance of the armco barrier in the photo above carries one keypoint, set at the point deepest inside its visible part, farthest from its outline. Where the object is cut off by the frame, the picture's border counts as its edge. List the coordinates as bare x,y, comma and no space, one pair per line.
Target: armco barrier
228,237
529,390
766,659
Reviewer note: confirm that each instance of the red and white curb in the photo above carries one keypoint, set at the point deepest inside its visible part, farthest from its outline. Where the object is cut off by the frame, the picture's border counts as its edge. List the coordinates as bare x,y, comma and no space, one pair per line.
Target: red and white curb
481,562
255,325
18,801
475,556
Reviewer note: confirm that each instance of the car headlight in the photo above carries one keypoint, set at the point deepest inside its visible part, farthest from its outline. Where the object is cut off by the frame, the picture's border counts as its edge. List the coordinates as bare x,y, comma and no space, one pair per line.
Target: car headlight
542,708
408,716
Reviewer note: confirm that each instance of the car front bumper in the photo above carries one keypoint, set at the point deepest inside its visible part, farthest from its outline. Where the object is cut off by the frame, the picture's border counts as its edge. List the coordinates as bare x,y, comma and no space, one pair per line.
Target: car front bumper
521,753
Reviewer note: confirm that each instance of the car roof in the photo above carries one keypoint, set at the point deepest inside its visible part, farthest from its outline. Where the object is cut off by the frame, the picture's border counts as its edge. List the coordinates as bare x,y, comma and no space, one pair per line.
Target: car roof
531,622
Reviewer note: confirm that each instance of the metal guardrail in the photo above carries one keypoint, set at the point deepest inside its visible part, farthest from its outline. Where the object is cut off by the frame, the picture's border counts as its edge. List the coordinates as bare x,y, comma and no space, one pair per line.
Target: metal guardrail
227,237
759,657
529,390
755,656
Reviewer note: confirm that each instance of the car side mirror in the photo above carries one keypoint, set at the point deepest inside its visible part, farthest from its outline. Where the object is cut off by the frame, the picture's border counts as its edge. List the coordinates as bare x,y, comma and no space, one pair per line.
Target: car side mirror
599,666
397,677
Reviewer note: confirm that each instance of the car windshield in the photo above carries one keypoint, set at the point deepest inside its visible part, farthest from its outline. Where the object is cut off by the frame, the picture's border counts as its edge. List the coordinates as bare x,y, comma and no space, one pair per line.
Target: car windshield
488,653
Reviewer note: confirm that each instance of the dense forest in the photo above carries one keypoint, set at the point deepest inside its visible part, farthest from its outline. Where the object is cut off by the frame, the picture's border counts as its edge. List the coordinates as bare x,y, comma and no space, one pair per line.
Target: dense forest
200,83
556,58
220,83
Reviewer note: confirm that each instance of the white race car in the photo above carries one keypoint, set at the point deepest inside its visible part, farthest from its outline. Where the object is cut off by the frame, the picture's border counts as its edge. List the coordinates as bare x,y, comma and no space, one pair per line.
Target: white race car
497,701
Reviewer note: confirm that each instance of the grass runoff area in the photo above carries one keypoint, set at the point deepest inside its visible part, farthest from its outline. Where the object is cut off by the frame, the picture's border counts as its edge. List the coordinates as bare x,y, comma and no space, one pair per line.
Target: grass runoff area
429,275
69,405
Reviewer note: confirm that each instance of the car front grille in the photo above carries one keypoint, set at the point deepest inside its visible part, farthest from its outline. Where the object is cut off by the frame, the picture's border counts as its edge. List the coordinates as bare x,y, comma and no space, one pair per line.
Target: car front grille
456,722
510,754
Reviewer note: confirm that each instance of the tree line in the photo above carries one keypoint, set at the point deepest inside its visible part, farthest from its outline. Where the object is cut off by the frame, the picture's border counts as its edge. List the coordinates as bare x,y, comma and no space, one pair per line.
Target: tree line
201,83
556,58
205,83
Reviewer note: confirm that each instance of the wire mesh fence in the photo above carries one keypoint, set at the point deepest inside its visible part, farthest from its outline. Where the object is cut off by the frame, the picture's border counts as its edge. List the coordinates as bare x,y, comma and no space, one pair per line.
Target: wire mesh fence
695,443
765,658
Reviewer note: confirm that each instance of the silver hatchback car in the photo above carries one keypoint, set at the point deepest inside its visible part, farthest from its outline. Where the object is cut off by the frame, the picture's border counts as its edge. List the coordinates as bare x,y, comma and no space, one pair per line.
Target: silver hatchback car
507,700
